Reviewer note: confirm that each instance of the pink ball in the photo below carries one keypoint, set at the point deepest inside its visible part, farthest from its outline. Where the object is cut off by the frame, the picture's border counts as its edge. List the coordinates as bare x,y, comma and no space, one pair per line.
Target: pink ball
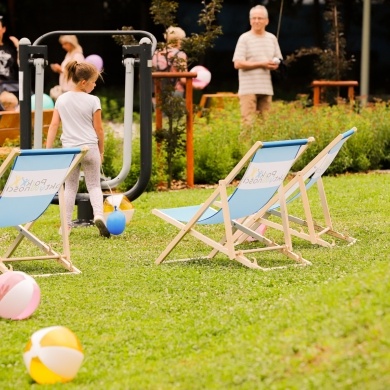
203,78
96,60
19,295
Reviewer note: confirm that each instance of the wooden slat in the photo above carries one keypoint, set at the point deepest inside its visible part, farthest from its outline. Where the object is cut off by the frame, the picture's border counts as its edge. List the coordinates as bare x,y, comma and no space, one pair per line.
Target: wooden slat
10,124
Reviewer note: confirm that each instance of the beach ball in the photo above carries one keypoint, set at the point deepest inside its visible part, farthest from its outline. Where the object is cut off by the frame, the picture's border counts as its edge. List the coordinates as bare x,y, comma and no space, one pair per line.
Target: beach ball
48,102
53,355
121,202
19,295
116,222
203,78
96,60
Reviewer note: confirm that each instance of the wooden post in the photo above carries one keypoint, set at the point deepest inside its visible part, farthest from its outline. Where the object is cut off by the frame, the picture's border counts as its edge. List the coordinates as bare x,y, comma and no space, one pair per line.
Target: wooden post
316,94
157,95
351,93
190,134
189,119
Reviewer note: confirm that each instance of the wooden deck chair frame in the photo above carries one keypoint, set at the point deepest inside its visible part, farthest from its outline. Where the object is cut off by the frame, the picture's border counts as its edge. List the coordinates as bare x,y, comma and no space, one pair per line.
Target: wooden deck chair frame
307,228
269,164
36,177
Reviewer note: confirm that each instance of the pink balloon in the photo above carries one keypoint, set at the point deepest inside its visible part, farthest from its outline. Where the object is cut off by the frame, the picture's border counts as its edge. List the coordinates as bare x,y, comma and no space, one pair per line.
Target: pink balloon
96,60
203,78
19,295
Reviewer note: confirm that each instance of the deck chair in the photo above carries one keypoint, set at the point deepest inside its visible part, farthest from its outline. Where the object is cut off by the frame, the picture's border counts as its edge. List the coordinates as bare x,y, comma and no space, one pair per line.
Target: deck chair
35,178
269,164
307,228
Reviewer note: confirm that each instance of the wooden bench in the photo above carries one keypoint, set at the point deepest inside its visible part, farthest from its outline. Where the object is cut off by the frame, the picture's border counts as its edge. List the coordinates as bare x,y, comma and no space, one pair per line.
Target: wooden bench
219,97
319,85
10,124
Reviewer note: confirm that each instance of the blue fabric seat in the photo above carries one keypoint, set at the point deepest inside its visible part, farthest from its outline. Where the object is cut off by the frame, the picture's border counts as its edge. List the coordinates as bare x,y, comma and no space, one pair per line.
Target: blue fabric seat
267,165
35,178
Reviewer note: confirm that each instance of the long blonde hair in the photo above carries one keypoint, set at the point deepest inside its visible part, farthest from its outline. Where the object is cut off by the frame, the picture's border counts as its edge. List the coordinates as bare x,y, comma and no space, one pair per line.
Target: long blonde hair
72,39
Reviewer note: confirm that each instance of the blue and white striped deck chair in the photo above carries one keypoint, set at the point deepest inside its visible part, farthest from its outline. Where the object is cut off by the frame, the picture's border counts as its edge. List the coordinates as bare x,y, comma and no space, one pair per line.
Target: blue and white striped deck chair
269,164
307,228
36,176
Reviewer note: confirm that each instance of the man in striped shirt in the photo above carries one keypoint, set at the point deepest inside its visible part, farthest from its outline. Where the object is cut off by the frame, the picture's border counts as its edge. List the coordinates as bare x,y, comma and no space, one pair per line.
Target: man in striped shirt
257,53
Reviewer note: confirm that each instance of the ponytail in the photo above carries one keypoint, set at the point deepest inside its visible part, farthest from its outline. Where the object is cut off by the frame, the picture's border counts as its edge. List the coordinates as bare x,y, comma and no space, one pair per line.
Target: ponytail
78,71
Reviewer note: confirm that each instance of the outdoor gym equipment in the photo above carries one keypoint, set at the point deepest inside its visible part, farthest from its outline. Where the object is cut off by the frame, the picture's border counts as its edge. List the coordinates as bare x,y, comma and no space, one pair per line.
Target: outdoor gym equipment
35,56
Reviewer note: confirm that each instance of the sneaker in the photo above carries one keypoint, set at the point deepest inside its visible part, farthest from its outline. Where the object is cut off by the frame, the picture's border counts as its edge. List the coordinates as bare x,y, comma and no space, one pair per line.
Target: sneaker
101,225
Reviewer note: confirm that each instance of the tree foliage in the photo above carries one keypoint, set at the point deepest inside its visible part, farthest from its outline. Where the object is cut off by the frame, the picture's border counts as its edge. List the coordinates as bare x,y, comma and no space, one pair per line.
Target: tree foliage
163,12
331,61
195,45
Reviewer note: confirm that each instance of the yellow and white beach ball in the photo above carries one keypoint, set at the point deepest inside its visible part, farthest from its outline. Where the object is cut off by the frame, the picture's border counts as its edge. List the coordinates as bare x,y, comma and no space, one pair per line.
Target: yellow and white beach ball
121,202
53,355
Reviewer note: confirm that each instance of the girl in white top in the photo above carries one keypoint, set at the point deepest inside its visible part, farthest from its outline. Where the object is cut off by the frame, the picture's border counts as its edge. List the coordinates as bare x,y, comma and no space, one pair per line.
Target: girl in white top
80,114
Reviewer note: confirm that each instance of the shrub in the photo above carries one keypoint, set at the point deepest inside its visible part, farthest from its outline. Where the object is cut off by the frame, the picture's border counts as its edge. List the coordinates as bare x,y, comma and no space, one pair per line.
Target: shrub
133,175
112,110
219,142
216,146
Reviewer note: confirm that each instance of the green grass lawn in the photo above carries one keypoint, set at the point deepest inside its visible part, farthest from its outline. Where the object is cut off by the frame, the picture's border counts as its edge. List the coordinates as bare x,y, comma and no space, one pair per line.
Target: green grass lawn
218,325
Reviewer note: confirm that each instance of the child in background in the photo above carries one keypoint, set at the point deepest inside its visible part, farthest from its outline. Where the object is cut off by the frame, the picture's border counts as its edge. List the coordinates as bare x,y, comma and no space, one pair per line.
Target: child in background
80,114
8,101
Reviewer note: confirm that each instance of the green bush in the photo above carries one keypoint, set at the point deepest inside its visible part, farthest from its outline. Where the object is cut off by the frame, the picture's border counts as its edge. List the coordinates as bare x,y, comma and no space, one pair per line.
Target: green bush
220,143
112,148
216,147
134,173
112,109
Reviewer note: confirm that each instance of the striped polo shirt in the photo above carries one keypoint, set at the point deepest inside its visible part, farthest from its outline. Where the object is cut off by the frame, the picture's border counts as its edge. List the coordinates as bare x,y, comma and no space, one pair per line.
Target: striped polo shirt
257,48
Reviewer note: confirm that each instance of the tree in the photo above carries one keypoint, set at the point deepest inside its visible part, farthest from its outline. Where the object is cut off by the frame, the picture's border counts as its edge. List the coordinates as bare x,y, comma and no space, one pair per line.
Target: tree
331,62
163,13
